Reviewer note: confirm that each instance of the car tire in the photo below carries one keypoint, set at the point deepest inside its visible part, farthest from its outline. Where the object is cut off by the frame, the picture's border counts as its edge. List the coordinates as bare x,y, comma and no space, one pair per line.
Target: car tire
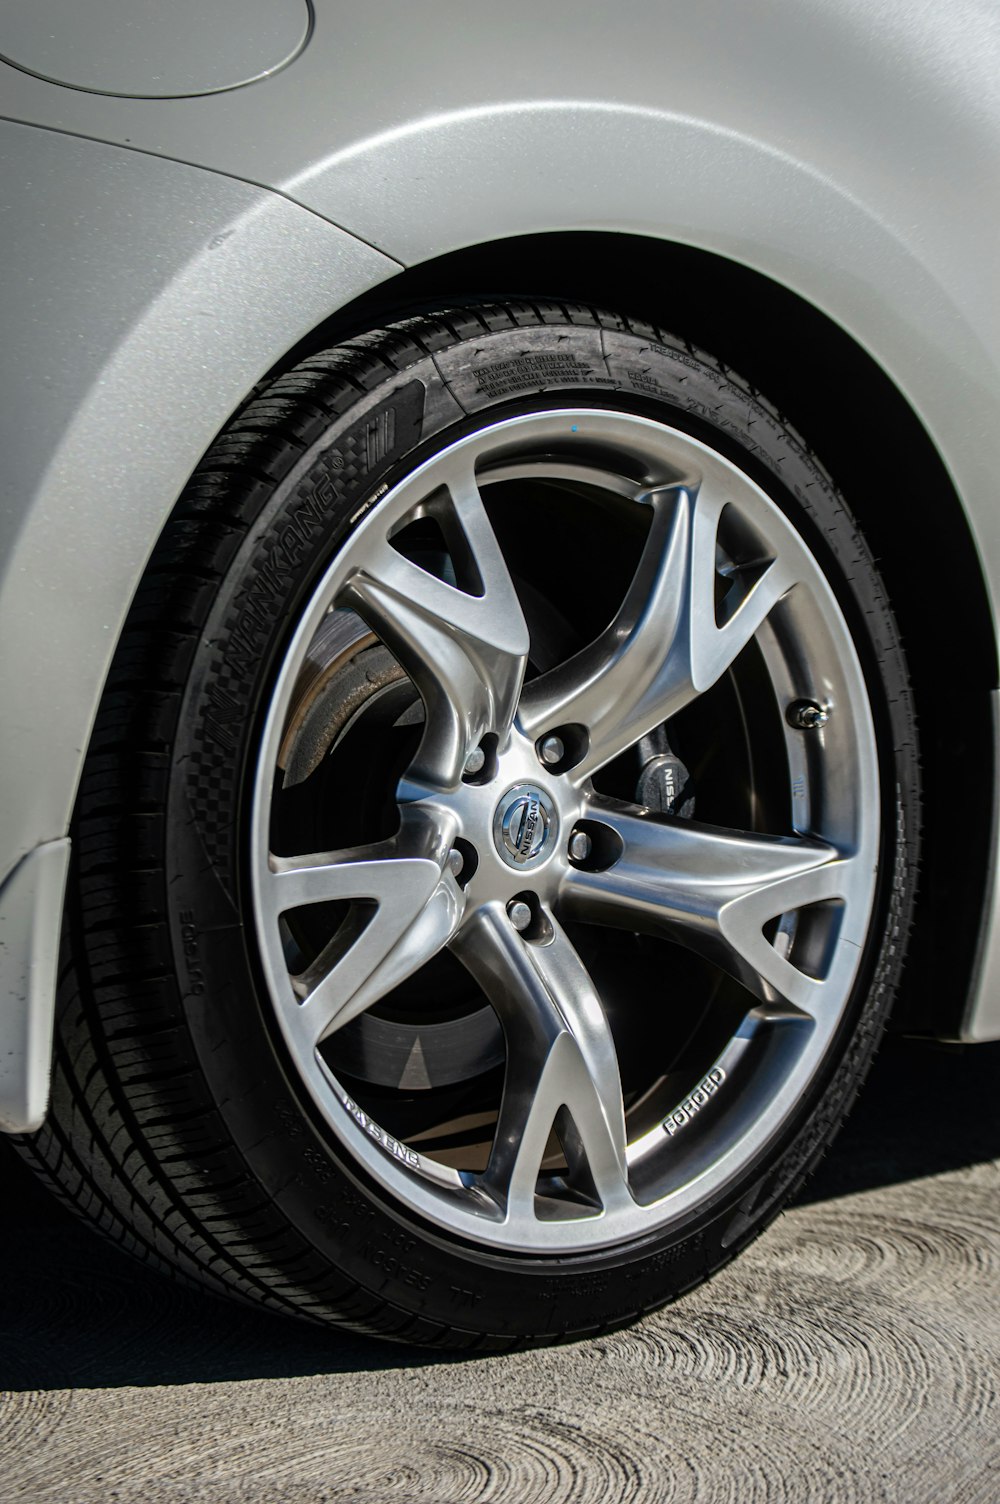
496,849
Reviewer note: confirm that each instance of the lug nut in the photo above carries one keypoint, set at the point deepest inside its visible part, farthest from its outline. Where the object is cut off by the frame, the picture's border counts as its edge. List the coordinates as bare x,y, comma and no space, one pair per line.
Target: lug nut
552,750
806,715
475,762
519,914
456,862
580,846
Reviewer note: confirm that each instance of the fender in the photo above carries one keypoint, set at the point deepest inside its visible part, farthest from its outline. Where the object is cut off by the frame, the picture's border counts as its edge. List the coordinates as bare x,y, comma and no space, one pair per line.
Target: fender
129,339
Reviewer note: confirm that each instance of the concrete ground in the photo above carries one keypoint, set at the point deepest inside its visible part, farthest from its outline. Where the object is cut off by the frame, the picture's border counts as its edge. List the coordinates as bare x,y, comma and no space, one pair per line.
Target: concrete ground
852,1354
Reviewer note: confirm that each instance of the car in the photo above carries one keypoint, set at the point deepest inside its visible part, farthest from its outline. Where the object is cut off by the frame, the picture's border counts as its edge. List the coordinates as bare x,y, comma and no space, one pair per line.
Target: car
497,584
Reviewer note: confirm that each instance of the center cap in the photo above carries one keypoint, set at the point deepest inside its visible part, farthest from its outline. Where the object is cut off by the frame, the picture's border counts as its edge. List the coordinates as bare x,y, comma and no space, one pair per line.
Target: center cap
523,826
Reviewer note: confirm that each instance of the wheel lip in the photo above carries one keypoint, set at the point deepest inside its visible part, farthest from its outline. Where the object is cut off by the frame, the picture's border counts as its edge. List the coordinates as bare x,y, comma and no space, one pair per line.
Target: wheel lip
431,1192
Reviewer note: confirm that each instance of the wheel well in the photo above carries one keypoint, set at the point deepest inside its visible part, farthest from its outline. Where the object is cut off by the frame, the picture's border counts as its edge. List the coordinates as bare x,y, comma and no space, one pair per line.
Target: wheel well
863,430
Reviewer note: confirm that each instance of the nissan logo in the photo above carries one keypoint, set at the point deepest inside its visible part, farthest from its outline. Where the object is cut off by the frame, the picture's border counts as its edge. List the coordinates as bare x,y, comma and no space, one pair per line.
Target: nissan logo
523,824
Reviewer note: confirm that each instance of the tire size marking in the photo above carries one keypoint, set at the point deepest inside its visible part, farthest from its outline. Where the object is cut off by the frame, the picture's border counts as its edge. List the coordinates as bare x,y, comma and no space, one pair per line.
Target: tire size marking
574,1287
692,1105
689,1248
393,1267
530,371
465,1299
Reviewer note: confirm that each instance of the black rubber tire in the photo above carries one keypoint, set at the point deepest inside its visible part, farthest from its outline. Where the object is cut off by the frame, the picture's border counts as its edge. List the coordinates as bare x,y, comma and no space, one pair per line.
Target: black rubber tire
176,1125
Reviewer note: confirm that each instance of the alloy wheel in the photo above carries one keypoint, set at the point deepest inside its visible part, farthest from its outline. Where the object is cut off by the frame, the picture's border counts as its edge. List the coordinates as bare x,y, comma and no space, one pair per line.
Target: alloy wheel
438,963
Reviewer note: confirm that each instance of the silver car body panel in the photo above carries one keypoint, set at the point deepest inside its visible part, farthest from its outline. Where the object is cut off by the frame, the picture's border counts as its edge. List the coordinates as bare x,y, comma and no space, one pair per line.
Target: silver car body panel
108,317
844,150
31,902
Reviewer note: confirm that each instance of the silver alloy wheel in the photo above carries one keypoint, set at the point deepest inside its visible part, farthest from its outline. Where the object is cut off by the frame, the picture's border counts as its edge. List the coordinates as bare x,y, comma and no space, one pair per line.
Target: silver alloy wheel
786,914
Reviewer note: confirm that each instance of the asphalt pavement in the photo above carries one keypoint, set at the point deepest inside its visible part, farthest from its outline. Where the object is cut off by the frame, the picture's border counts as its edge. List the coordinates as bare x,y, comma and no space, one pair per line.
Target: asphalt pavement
853,1353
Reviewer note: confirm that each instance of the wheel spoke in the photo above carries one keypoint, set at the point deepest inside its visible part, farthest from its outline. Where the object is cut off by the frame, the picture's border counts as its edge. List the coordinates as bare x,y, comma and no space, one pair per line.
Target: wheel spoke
665,645
406,908
465,652
714,891
560,1054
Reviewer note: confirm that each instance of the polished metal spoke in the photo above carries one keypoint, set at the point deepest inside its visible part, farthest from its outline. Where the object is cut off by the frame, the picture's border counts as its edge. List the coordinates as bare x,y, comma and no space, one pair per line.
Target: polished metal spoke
560,1054
664,646
409,908
714,891
466,653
